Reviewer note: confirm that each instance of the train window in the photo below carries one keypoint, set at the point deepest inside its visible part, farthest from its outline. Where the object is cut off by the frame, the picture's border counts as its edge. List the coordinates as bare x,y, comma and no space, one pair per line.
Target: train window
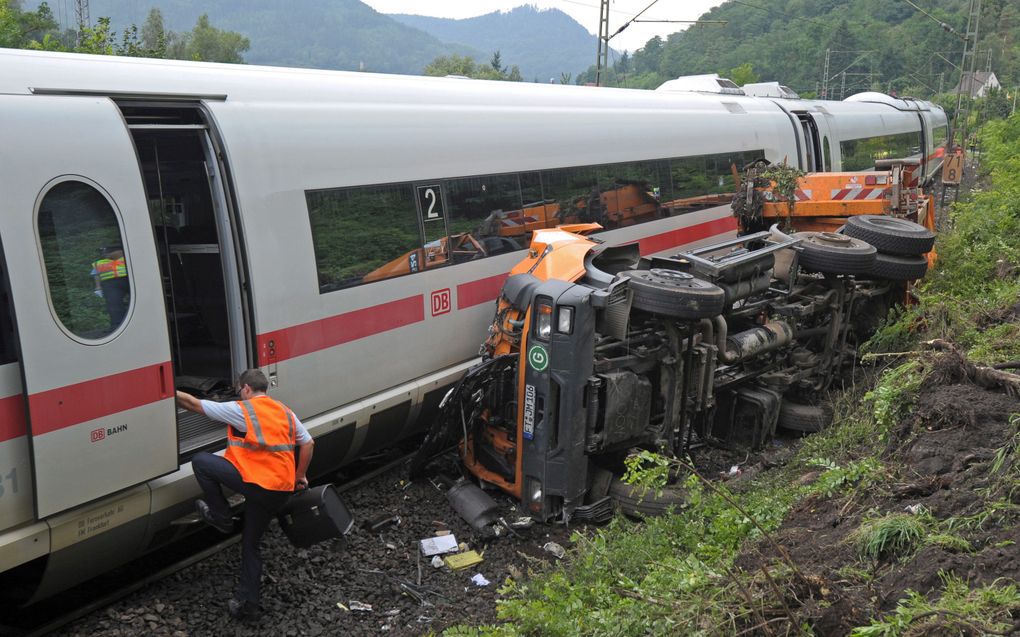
363,234
630,193
86,269
826,154
570,189
485,214
939,136
861,154
706,181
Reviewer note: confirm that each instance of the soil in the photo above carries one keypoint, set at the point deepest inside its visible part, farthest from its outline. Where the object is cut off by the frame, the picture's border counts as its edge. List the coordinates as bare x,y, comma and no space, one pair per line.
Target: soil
940,459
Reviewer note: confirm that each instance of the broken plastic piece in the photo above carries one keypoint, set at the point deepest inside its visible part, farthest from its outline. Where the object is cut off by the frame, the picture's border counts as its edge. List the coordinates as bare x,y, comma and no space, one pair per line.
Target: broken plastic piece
341,606
437,562
360,607
552,547
479,580
462,560
438,545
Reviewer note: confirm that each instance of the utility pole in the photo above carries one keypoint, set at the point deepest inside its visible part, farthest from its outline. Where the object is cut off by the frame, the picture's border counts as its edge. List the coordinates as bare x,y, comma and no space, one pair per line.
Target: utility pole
969,48
81,13
602,60
603,50
825,75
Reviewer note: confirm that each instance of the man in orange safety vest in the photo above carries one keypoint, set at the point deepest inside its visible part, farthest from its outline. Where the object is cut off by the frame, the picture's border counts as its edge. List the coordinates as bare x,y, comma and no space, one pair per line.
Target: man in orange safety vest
262,437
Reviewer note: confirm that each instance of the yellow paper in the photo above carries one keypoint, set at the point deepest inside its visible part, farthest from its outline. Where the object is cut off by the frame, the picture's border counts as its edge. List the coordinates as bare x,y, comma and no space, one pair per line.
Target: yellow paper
462,560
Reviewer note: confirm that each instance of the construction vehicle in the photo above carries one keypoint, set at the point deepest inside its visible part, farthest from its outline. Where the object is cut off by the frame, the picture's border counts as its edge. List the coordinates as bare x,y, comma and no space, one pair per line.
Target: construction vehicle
595,351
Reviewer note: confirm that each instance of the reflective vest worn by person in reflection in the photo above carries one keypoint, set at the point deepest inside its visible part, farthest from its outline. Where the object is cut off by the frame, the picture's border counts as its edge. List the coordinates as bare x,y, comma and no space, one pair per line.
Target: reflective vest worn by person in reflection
108,269
265,454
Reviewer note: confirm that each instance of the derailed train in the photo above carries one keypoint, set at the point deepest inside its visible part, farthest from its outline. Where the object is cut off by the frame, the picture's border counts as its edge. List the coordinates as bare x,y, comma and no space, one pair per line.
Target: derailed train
256,209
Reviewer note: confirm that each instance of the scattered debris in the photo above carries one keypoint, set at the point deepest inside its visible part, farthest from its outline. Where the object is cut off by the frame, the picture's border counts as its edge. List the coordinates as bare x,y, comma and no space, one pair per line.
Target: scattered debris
523,523
915,509
392,613
381,522
391,546
480,580
360,607
474,505
437,562
558,551
341,606
443,532
438,545
463,560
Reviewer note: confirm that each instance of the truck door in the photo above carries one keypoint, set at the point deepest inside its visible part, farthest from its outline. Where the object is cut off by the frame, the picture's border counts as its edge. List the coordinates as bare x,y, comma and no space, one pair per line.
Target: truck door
88,301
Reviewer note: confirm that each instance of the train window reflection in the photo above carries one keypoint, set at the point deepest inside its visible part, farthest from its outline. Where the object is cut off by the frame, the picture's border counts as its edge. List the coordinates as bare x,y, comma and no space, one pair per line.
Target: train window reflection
861,154
86,270
360,234
485,214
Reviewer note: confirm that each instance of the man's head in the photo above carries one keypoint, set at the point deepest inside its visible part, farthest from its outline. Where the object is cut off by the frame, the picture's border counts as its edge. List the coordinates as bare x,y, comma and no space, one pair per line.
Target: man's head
253,381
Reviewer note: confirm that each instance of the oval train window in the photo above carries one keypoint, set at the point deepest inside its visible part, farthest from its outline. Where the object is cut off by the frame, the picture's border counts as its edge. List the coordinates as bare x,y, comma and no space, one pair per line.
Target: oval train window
83,251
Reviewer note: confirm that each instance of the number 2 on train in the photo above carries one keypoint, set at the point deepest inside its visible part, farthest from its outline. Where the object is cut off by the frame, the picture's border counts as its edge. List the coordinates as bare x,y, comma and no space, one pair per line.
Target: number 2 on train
431,202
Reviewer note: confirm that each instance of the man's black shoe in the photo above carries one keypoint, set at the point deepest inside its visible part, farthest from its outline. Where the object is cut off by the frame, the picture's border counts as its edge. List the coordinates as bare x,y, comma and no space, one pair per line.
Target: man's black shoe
242,610
222,526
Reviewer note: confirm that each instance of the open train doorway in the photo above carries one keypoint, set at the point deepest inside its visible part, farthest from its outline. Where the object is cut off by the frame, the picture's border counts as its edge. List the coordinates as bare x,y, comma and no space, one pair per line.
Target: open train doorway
191,221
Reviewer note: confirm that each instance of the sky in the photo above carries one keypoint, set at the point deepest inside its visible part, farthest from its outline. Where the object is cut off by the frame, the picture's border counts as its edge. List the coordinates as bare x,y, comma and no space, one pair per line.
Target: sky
586,12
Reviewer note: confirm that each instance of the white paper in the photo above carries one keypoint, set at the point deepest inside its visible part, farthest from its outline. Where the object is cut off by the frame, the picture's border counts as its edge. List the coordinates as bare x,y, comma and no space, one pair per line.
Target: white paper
480,580
438,545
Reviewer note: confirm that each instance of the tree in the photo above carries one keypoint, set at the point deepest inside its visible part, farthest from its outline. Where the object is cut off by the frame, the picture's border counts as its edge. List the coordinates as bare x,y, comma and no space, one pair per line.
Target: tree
451,65
743,74
515,74
565,78
497,63
153,32
209,44
10,29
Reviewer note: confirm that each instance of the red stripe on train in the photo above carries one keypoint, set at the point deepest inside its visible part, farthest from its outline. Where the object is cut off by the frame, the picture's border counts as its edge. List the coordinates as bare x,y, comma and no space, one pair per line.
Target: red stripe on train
313,336
480,291
683,236
73,404
12,417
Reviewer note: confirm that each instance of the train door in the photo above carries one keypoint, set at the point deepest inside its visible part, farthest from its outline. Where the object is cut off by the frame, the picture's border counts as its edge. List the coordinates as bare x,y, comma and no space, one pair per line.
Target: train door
188,207
812,141
85,289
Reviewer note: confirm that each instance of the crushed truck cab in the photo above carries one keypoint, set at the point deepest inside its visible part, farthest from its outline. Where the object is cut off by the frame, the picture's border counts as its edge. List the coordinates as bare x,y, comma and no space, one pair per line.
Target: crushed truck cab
595,351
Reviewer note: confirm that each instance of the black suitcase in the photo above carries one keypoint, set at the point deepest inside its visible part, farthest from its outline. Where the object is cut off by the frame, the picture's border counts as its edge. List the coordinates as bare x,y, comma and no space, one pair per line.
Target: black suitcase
314,515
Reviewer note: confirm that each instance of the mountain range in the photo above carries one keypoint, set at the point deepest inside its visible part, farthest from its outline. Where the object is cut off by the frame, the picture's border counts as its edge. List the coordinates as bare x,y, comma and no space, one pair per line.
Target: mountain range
350,35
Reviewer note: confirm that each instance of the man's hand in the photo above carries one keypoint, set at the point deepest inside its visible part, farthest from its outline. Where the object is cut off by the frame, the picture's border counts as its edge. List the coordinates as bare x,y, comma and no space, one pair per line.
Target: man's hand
300,484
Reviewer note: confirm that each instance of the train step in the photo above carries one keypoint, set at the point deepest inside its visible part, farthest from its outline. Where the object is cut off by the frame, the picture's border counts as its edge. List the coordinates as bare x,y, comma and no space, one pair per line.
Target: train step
235,501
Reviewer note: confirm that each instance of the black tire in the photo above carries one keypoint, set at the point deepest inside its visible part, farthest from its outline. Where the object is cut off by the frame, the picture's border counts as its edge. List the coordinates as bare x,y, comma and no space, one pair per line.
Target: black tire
804,418
832,253
891,267
637,502
891,235
675,294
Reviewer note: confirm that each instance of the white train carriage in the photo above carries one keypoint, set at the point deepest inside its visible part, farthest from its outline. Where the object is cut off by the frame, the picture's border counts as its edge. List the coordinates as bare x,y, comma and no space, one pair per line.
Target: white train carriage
345,232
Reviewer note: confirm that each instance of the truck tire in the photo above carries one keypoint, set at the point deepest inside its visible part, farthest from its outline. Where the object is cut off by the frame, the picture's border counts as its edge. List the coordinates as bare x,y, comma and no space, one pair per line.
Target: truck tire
675,294
891,235
804,418
832,253
637,502
891,267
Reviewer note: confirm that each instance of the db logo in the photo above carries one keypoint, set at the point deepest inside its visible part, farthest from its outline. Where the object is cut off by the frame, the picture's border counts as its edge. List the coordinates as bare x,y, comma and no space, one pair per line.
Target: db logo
441,302
97,434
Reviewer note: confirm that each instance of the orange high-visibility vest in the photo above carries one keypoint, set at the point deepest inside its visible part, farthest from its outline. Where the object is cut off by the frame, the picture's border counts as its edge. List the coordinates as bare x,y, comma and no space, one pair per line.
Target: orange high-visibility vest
108,269
265,454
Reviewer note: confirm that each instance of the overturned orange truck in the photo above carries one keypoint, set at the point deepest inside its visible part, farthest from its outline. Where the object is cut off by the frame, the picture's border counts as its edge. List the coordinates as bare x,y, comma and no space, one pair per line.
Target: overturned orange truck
595,351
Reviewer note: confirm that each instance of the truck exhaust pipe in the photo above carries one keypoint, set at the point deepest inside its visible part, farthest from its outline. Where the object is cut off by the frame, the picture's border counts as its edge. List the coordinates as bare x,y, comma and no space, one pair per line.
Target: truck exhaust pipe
759,340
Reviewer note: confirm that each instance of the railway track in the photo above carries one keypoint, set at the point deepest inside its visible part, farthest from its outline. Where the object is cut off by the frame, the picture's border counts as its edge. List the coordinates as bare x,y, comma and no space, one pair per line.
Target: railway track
40,621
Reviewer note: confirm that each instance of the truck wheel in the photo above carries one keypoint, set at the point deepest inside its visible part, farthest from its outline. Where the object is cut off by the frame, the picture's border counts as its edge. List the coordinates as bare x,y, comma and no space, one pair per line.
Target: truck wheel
676,294
636,502
832,253
891,235
892,267
804,418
